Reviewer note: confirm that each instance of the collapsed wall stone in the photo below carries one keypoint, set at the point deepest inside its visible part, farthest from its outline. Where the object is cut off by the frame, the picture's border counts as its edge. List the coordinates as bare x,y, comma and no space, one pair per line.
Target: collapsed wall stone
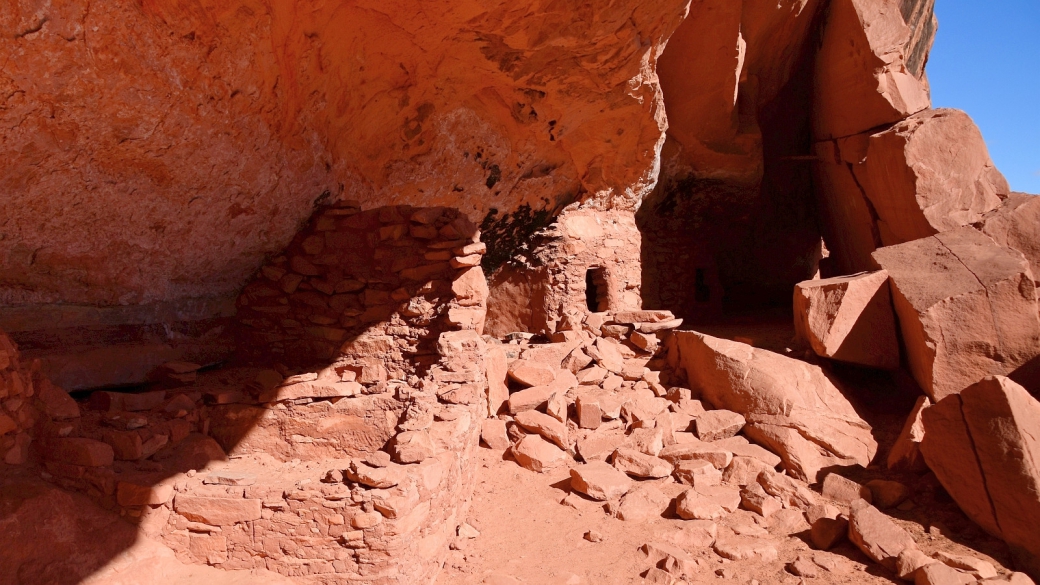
967,308
848,319
791,407
926,174
983,445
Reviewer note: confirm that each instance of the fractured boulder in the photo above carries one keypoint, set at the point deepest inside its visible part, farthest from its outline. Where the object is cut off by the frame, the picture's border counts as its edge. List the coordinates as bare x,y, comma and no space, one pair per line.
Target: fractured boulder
791,407
848,319
984,447
967,308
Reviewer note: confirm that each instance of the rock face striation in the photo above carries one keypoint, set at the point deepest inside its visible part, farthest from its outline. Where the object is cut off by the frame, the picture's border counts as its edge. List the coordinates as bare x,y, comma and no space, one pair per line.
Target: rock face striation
984,446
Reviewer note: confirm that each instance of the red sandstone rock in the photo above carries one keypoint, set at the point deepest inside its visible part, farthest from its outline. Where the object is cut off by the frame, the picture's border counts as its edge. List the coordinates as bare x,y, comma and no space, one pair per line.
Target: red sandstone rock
531,373
791,407
133,494
544,425
754,498
906,451
718,424
743,548
217,511
535,453
904,183
940,574
870,68
692,505
967,308
844,490
600,481
493,433
641,465
697,473
643,503
877,535
848,319
1016,225
982,445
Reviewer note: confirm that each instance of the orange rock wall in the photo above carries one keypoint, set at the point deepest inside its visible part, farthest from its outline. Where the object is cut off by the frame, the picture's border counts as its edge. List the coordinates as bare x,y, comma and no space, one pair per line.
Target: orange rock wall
158,149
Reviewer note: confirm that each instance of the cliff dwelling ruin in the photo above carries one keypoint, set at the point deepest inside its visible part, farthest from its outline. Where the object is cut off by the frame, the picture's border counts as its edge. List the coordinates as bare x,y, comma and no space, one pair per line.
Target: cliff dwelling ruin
347,292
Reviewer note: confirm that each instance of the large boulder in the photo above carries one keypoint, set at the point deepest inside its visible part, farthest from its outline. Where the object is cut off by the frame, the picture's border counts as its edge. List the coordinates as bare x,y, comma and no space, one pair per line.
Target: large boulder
984,447
791,407
870,66
926,174
1016,225
848,319
966,306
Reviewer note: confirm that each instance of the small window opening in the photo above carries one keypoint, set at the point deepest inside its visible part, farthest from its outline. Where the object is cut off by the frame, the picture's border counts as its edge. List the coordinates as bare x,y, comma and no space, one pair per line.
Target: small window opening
596,288
701,291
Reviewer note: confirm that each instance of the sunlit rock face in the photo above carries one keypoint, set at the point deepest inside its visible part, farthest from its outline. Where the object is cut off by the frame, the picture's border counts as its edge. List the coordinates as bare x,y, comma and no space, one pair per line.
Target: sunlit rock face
158,150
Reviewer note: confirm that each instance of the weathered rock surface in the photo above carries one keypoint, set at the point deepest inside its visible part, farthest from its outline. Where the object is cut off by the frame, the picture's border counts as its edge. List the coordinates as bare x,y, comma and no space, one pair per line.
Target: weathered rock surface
600,481
849,319
967,308
984,446
278,127
904,183
870,67
877,535
1016,225
906,451
791,407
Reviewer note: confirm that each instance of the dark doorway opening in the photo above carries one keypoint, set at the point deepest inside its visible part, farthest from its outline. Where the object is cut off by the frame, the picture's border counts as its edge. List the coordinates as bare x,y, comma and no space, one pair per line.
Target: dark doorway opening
596,290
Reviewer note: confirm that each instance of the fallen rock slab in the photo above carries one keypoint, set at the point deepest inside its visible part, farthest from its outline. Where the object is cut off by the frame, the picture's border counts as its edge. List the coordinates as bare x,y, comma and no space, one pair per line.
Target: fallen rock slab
643,503
877,535
940,574
718,424
744,548
849,319
535,453
967,308
544,425
984,447
791,407
600,481
692,505
844,490
641,465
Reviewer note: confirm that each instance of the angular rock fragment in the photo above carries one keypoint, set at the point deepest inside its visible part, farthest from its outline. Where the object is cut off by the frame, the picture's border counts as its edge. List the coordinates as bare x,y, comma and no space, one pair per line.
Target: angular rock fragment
718,424
217,511
755,499
940,574
791,407
493,433
697,473
844,490
984,447
979,568
545,425
791,492
744,548
600,481
967,308
877,535
906,451
531,373
641,465
691,505
909,561
643,503
849,319
535,453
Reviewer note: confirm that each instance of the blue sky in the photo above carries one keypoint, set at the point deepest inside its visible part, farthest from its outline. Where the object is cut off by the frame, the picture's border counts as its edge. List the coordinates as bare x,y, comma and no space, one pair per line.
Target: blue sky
986,61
